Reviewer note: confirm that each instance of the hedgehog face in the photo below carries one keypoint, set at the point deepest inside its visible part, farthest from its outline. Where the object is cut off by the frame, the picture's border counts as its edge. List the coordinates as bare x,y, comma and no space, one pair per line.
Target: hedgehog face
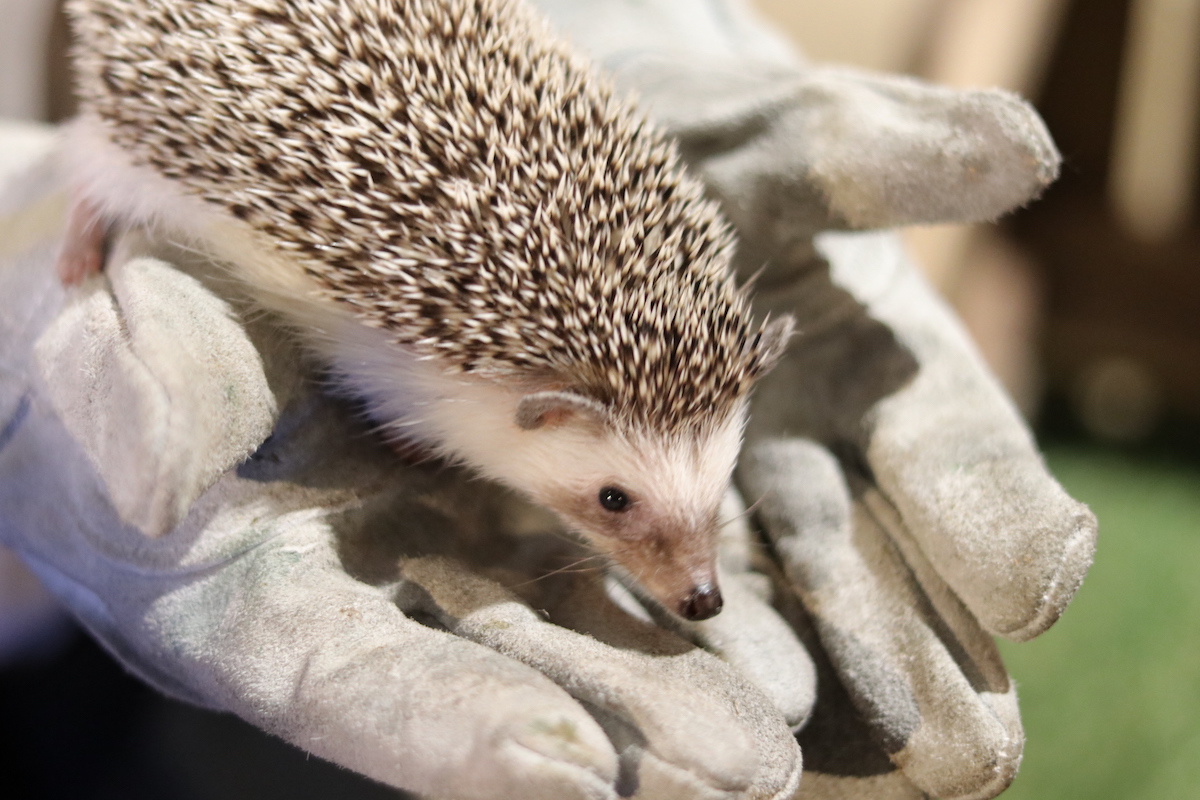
648,502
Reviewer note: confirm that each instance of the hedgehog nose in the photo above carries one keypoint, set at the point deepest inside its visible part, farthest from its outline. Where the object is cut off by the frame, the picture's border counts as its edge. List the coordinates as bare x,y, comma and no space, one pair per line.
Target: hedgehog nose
704,602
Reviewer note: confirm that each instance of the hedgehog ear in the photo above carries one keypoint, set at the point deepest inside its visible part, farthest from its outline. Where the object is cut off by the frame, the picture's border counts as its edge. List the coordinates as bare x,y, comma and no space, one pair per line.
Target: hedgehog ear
773,341
554,408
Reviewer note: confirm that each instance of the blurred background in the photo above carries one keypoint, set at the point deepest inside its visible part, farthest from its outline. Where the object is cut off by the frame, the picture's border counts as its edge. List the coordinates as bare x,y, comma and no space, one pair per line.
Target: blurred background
1086,305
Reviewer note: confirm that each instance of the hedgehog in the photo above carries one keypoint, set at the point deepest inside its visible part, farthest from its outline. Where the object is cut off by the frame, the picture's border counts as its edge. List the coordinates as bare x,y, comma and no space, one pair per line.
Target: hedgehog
468,226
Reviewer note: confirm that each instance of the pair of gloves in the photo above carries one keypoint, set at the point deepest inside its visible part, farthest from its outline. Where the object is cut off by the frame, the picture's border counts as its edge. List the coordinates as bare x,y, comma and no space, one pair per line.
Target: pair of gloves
171,468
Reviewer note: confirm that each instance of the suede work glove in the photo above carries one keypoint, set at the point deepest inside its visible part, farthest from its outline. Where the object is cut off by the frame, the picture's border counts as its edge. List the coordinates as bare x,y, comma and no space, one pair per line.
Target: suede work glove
907,512
171,470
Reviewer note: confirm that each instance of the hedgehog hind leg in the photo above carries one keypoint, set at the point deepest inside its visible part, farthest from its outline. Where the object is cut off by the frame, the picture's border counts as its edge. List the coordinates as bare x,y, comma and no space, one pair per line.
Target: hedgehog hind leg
85,242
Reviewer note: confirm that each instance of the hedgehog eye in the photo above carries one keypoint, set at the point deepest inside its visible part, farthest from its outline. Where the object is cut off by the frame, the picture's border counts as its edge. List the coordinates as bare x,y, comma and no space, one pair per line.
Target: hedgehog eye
613,499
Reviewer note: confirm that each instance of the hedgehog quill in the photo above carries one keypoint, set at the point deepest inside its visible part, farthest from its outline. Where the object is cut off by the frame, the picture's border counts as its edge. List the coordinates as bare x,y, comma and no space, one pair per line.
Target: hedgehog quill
465,223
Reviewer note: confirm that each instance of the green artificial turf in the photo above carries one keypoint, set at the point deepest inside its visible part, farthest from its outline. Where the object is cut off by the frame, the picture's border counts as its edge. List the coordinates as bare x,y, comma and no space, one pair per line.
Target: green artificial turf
1110,695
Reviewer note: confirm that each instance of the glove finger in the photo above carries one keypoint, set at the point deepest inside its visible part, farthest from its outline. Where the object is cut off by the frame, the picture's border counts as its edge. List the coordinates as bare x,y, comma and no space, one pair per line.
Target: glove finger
932,690
842,759
808,149
152,344
585,608
954,457
686,724
976,654
749,634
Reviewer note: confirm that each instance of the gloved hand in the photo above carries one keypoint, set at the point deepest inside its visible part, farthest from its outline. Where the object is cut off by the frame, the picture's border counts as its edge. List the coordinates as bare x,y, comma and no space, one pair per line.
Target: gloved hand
908,512
279,596
171,470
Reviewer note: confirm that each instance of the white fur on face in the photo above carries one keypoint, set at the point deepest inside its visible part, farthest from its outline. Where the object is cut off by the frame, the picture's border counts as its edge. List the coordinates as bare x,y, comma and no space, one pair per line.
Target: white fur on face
684,476
679,479
666,539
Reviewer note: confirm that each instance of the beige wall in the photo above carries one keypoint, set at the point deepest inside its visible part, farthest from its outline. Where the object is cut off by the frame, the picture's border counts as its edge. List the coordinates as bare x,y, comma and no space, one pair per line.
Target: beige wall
880,34
959,42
